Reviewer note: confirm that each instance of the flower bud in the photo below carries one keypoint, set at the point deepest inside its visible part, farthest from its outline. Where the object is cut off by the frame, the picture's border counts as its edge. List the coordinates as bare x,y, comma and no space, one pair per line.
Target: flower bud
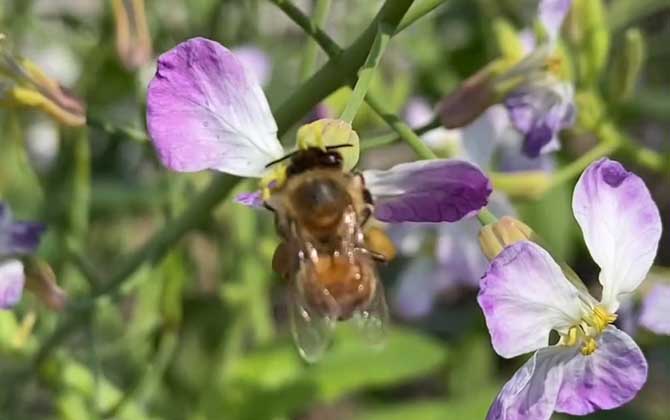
133,42
41,281
493,238
22,83
468,101
628,66
326,133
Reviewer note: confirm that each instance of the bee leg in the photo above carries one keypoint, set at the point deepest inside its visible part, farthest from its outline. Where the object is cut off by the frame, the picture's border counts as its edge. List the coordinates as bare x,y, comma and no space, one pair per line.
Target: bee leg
379,244
377,256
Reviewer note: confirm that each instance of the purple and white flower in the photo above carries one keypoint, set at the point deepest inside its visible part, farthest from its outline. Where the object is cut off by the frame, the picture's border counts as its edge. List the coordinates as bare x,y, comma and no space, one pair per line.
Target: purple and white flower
655,311
543,105
205,111
525,295
16,238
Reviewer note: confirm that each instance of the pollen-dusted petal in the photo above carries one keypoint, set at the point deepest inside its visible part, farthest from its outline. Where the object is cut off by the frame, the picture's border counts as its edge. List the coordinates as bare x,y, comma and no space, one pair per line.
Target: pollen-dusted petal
250,199
12,280
608,378
524,295
551,14
621,226
532,391
655,314
205,111
440,190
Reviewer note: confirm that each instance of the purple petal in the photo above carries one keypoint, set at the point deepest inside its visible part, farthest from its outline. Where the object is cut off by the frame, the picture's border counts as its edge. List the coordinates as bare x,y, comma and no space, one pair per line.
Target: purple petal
12,280
531,393
606,379
255,61
621,226
551,14
25,237
204,111
655,315
428,191
524,295
252,199
539,111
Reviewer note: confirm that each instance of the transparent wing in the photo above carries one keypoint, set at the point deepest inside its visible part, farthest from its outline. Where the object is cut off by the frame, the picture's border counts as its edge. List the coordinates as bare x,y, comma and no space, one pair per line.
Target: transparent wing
372,320
312,332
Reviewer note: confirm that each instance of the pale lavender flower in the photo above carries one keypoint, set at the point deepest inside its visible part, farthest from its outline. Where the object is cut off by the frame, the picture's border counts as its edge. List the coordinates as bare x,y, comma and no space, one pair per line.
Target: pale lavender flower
16,238
655,312
255,61
205,111
525,295
544,105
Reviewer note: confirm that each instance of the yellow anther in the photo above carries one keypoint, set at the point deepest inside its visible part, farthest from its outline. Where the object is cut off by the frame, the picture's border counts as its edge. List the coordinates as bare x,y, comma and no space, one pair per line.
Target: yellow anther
571,338
589,346
554,64
601,318
273,180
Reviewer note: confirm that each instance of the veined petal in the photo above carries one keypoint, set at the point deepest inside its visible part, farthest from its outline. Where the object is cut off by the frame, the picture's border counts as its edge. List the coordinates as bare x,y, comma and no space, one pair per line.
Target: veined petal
655,315
205,111
255,61
440,190
12,280
532,391
621,226
605,379
524,295
551,14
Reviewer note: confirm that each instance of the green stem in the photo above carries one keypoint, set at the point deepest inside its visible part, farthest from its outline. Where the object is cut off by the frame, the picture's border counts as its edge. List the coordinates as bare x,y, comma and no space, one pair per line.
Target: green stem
367,72
576,167
341,68
418,11
319,15
331,48
485,217
404,131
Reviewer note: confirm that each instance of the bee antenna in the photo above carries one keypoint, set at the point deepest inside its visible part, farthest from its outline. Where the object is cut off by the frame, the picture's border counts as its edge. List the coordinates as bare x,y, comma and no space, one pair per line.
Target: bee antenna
280,159
339,146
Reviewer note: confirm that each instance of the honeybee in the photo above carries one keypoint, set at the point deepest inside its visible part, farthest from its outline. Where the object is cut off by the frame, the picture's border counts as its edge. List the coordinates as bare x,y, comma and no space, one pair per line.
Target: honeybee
326,252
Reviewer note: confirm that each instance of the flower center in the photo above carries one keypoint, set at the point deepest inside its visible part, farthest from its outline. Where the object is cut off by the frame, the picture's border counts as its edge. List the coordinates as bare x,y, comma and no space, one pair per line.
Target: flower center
588,330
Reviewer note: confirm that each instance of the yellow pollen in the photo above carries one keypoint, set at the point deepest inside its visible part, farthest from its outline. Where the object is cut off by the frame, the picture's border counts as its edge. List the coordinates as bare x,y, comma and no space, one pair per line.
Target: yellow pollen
273,180
573,335
554,64
600,318
589,346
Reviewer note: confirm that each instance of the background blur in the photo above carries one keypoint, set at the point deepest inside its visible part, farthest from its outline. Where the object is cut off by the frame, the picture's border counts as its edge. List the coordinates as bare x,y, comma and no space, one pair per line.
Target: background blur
203,334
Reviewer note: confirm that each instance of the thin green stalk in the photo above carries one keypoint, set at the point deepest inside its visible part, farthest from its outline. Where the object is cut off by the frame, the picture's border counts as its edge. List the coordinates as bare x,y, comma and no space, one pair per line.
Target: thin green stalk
404,131
485,217
576,167
418,11
331,48
367,72
319,15
341,68
390,138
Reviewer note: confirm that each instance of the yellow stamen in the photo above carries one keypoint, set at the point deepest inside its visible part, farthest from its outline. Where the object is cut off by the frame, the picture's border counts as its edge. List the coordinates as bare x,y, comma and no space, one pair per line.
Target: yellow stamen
600,318
589,346
573,334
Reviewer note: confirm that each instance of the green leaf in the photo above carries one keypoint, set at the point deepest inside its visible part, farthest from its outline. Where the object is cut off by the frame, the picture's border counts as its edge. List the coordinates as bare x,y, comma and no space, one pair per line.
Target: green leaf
472,406
351,365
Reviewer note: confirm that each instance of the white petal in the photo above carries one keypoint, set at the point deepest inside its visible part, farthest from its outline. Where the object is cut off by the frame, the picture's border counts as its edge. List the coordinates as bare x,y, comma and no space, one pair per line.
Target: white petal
621,226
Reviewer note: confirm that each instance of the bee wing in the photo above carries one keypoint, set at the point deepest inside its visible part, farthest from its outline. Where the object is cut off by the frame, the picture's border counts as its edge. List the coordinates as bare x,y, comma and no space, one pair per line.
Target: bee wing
372,319
312,332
